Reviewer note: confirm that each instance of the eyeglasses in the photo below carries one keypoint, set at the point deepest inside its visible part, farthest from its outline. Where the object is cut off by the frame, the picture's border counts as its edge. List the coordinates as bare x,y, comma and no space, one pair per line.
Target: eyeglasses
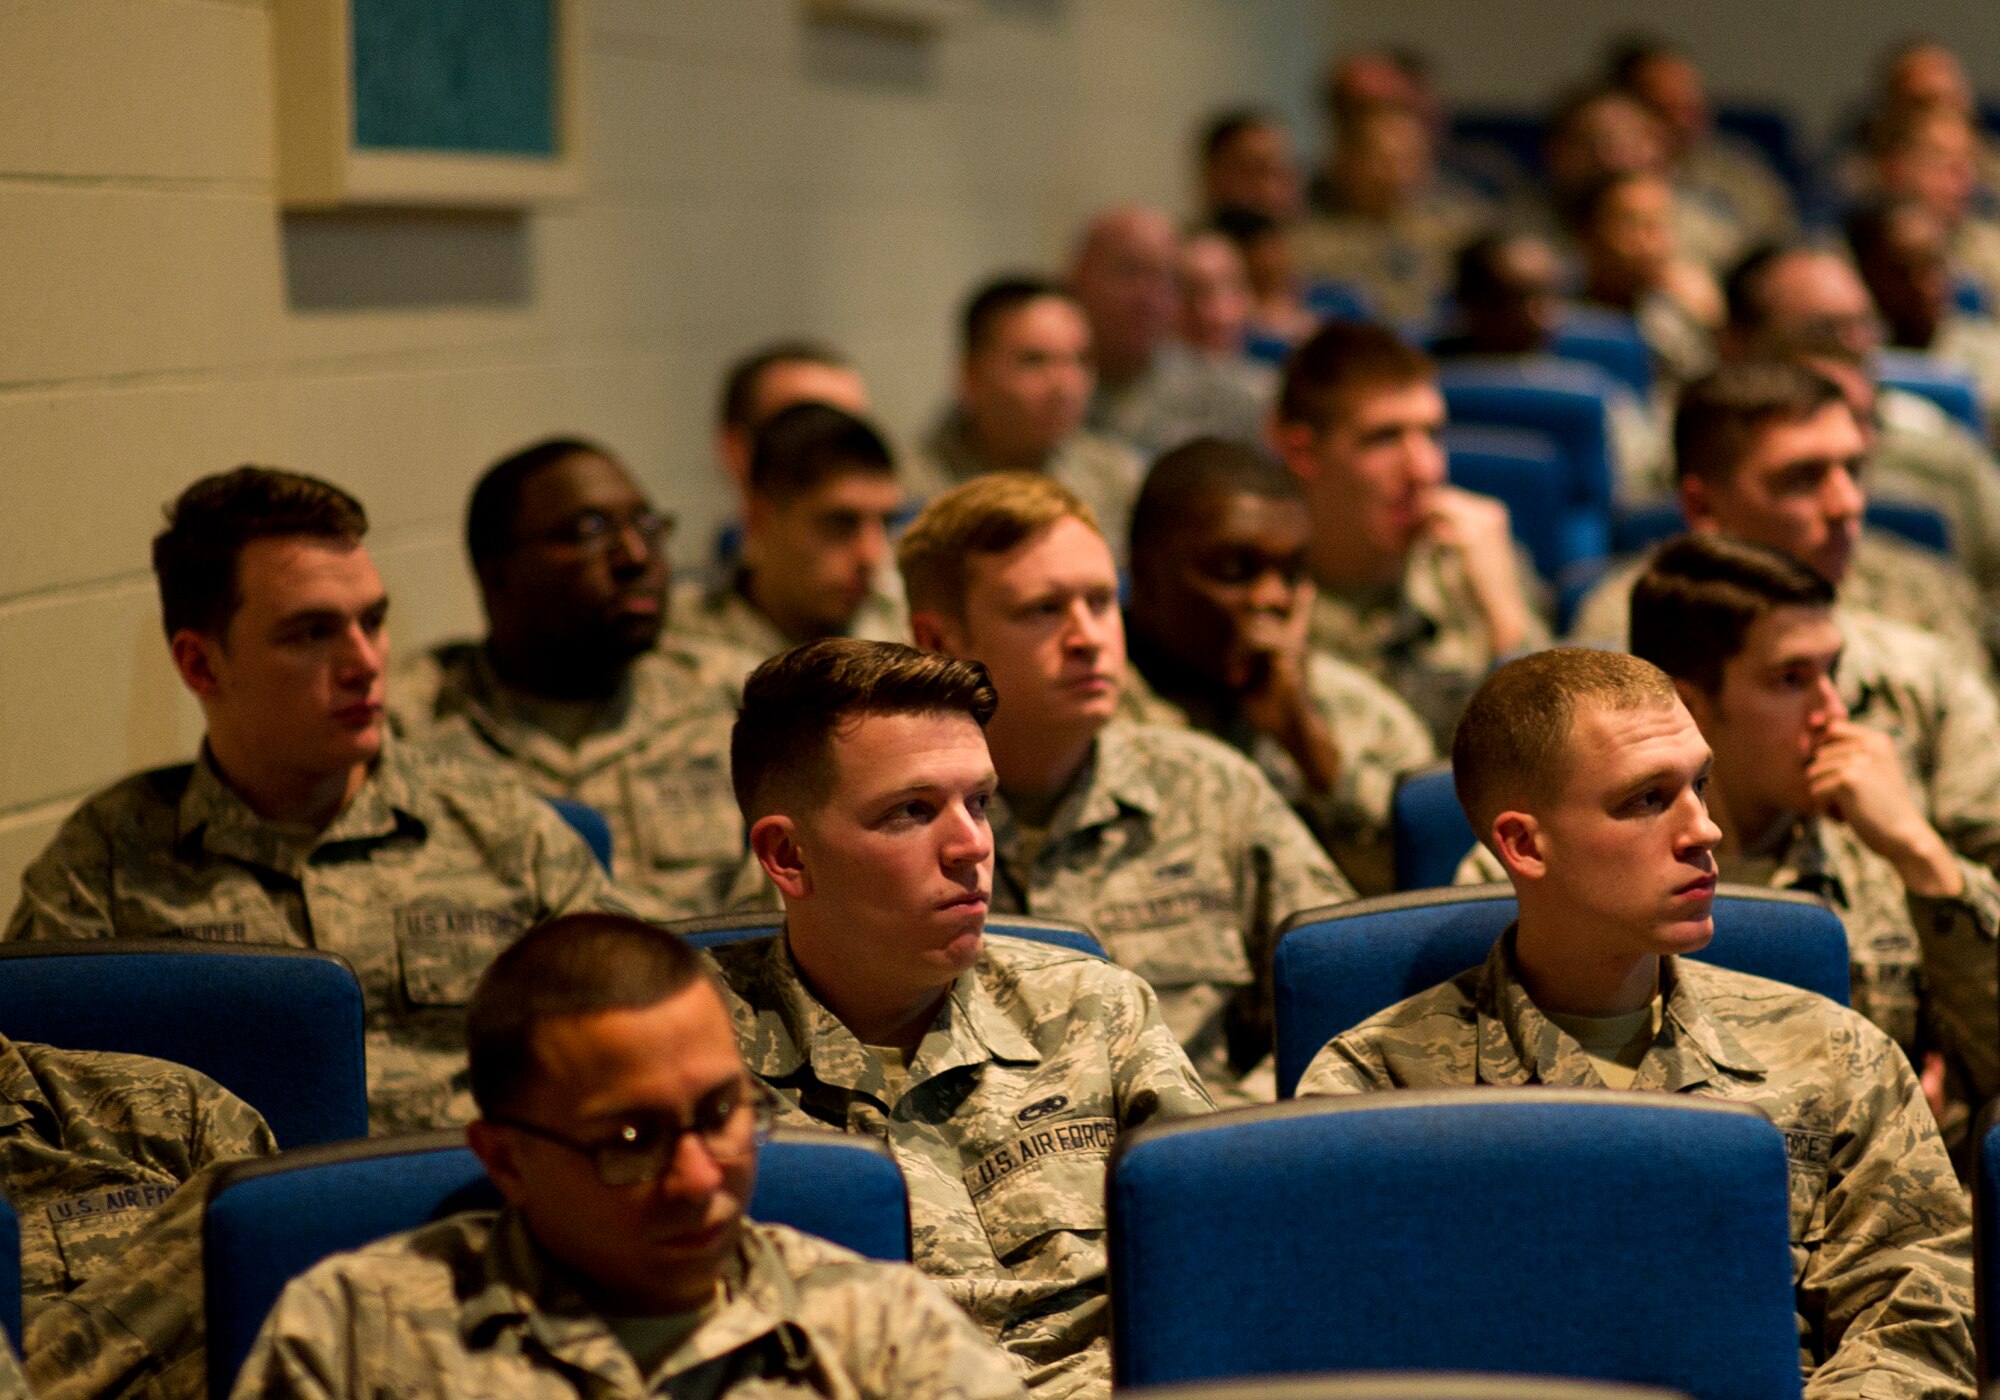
594,530
732,1125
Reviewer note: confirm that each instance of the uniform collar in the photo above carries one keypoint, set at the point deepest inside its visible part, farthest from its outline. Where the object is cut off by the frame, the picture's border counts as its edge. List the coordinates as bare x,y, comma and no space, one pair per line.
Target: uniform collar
1112,784
212,818
488,704
1517,1044
951,444
523,1290
20,1095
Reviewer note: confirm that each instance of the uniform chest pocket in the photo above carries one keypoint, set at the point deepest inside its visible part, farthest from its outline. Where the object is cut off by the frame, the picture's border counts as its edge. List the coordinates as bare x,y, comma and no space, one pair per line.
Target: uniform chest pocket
1807,1157
1177,938
1048,1178
93,1230
443,946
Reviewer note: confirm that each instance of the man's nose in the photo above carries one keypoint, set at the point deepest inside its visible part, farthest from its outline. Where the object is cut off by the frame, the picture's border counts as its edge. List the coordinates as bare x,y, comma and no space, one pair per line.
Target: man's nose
365,653
1842,497
1425,458
1271,591
968,839
692,1171
1829,707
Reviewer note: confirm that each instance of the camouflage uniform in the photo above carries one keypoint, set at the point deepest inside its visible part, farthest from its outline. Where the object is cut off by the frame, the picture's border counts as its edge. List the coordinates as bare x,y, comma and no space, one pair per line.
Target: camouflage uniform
1889,577
1379,737
93,1143
1922,455
13,1385
1880,1230
1183,395
659,773
1975,255
471,1306
1425,638
1972,343
1175,851
1401,265
1039,1058
1104,473
1733,176
433,867
721,615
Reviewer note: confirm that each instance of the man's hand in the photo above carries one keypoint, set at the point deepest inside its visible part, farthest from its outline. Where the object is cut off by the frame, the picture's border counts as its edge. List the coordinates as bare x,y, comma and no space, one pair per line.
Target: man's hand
1855,778
1266,667
1477,527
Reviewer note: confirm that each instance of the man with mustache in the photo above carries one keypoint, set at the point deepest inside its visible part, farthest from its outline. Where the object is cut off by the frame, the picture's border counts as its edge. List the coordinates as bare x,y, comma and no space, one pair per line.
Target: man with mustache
1000,1071
571,688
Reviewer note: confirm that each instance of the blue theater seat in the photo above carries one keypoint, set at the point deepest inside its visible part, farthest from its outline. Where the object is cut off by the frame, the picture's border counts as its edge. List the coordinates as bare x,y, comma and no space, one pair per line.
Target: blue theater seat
1336,967
1611,341
1986,1238
10,1275
1524,470
1366,1232
1952,389
270,1220
279,1027
1430,831
1638,528
589,823
1403,1385
715,930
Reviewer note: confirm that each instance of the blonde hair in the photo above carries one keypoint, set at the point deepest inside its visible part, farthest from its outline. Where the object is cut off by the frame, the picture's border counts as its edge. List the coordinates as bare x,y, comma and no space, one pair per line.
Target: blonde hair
1511,747
987,515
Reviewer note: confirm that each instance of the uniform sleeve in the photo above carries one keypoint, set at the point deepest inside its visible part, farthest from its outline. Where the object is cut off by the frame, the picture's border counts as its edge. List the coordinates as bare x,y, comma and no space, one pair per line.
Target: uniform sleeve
135,1332
306,1349
1965,774
1380,738
1961,976
1343,1066
13,1385
907,1339
66,892
566,874
1150,1073
1889,1284
226,1127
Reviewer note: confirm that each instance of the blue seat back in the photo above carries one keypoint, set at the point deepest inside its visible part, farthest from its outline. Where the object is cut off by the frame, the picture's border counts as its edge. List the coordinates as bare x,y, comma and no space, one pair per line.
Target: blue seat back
716,930
10,1275
1913,521
269,1221
1952,389
1986,1237
1611,341
1567,401
1524,470
1336,967
1638,528
1364,1233
1518,134
1969,298
1430,831
589,823
1336,301
279,1027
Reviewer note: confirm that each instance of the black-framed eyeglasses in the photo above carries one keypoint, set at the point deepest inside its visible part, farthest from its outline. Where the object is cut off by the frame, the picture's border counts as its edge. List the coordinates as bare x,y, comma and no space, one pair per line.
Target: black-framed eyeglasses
731,1124
594,530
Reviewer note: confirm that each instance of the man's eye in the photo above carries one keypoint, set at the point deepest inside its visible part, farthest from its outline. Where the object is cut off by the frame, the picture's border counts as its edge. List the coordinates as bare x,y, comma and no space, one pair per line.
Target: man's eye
980,802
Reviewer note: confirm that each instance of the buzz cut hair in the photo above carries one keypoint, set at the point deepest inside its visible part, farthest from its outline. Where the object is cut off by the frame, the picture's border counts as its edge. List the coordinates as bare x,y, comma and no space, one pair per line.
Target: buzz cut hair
1700,595
803,447
796,704
496,497
1510,751
1722,414
997,299
737,406
1224,127
572,965
989,515
1339,361
1197,472
209,525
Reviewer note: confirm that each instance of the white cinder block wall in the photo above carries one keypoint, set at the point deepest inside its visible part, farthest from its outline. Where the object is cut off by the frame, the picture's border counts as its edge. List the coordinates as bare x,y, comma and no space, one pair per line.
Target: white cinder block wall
752,176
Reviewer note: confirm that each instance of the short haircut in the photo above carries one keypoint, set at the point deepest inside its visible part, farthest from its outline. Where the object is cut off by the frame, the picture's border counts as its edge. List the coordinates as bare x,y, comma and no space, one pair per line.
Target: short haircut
1197,471
795,704
1871,224
1511,747
1721,414
1583,209
1341,358
1627,55
496,498
1476,277
1225,127
998,299
194,558
989,514
1700,595
807,445
737,407
572,965
1743,287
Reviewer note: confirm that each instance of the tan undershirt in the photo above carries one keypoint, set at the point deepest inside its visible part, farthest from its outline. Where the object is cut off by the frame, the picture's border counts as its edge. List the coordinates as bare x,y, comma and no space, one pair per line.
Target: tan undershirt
1615,1044
655,1337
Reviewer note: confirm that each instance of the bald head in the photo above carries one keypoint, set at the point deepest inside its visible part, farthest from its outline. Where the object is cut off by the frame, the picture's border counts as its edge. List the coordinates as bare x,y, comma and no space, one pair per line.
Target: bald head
1122,275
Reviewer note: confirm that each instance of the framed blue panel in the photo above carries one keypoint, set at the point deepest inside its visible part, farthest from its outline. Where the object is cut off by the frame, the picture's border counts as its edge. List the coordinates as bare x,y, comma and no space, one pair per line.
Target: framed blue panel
455,75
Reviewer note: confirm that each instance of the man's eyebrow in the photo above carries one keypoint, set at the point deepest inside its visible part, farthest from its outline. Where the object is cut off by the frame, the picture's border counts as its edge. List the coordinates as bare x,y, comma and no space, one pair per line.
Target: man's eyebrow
1664,773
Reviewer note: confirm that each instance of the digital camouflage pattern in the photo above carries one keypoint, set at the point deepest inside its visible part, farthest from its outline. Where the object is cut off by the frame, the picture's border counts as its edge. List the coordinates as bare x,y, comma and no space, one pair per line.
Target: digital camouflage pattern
721,616
659,773
13,1385
1039,1058
1183,860
1733,176
1923,455
137,1331
1402,264
1105,474
1881,1231
1972,343
1889,577
91,1146
1939,709
1426,639
471,1306
1379,737
433,867
1182,395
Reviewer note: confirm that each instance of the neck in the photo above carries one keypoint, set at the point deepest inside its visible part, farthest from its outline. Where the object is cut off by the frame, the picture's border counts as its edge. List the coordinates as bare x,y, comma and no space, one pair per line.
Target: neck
553,672
1746,824
1117,369
876,1012
794,627
1566,969
1170,677
1342,563
1003,456
286,796
1035,769
1620,292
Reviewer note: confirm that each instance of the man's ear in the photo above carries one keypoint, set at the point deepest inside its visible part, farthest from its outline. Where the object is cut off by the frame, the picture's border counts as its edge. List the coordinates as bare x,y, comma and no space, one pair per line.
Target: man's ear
1295,444
1698,503
774,842
1517,840
195,655
933,631
494,1148
1699,705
